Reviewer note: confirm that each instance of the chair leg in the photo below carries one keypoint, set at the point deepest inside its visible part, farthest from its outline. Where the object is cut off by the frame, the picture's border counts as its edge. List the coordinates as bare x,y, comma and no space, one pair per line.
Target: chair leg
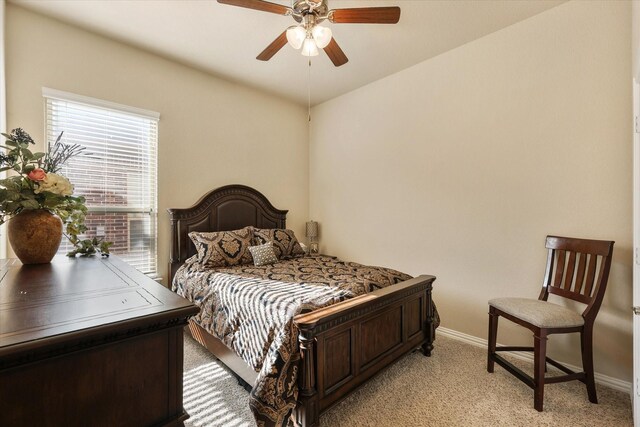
586,341
539,361
493,334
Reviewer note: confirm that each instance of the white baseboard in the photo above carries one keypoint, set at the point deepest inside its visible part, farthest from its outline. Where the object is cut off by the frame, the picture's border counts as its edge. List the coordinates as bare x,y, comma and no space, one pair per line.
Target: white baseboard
614,383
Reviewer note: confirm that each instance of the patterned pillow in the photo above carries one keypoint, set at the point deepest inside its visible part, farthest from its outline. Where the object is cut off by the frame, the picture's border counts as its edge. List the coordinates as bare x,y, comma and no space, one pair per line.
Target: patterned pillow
284,241
223,248
263,254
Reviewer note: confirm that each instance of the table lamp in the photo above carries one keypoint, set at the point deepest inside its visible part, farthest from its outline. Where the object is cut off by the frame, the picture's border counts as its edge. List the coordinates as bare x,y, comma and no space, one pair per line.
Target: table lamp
312,234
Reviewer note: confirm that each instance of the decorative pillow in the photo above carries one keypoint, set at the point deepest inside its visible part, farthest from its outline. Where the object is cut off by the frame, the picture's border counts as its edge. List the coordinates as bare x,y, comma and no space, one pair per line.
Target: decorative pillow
223,248
284,241
263,254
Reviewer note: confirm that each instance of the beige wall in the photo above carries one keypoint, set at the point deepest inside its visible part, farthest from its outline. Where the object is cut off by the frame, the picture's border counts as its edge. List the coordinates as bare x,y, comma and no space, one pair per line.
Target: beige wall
211,132
460,165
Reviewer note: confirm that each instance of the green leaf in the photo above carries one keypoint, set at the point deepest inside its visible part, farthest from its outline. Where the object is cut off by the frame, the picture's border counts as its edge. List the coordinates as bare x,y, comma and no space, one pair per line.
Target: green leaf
26,194
11,183
78,199
13,196
104,247
51,203
13,207
26,153
30,204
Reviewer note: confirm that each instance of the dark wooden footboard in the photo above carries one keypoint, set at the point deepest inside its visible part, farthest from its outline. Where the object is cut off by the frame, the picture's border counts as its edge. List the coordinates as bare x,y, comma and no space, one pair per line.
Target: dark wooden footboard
345,344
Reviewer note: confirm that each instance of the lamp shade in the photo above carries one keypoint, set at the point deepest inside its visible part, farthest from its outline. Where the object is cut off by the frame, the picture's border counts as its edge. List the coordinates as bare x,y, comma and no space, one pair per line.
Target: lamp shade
321,35
312,229
309,47
296,36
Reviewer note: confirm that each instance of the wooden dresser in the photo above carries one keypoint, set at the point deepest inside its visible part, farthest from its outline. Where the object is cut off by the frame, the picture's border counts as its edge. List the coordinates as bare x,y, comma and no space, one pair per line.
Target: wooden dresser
89,342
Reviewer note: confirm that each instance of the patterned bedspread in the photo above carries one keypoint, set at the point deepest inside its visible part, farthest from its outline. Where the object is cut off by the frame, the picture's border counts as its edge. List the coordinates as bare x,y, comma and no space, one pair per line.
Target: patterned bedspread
251,309
323,270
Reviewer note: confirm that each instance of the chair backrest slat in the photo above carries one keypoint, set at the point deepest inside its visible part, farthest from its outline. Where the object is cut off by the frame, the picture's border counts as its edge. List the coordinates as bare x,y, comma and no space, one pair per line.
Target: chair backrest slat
569,271
591,274
582,264
569,259
560,260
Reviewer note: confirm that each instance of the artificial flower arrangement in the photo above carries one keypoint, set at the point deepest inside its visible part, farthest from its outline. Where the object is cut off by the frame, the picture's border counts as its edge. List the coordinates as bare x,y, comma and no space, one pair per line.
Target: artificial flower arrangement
37,184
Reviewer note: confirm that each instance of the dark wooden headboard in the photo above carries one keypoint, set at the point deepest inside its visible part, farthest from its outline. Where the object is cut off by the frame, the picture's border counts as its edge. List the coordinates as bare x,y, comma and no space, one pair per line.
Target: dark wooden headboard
226,208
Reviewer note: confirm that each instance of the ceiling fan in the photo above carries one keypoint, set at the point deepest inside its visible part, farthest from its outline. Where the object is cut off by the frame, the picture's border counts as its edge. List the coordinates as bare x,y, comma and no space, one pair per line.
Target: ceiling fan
308,34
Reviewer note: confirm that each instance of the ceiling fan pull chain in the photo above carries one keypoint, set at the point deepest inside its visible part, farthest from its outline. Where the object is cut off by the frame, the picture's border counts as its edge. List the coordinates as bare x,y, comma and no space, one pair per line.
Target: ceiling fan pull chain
309,92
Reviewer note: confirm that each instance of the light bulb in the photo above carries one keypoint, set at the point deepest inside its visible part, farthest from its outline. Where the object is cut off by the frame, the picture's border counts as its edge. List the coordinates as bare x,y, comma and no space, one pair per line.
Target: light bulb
322,36
309,47
295,36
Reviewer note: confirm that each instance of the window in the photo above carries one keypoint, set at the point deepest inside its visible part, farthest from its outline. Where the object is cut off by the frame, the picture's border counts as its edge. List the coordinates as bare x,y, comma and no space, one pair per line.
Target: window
117,172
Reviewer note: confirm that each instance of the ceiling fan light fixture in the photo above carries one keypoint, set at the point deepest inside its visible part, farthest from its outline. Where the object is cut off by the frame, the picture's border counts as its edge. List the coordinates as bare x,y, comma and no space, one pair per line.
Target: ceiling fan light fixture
296,35
309,47
321,35
310,36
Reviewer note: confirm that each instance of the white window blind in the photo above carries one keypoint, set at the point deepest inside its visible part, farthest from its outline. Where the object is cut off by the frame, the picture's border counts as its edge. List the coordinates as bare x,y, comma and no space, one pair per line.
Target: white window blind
116,173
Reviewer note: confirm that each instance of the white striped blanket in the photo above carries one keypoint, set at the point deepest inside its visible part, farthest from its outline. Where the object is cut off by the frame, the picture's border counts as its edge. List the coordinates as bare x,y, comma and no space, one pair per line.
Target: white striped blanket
254,317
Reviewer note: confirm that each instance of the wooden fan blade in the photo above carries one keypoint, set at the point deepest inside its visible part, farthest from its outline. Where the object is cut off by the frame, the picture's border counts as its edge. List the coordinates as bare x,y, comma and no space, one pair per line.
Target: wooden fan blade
273,48
264,6
335,53
365,15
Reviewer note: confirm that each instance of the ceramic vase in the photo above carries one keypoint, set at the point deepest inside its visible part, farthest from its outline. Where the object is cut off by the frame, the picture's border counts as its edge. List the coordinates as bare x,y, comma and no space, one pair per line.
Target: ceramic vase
35,235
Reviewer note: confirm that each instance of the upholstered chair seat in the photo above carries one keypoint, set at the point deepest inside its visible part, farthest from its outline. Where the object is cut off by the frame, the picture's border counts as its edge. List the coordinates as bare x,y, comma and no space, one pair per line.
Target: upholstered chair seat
539,313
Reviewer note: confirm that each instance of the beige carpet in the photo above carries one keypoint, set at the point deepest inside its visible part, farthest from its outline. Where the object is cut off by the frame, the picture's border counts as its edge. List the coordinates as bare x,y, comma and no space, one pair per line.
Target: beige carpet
451,388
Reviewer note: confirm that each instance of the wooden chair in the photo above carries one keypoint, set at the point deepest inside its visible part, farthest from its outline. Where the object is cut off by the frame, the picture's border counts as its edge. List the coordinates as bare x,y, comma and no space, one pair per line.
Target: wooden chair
577,269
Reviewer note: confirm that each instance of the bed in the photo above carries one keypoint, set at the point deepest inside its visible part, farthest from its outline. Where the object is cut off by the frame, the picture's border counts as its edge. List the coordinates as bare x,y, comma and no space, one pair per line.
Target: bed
340,344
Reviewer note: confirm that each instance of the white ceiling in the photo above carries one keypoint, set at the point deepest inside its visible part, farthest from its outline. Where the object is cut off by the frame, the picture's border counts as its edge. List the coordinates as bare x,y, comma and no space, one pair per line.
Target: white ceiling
224,40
